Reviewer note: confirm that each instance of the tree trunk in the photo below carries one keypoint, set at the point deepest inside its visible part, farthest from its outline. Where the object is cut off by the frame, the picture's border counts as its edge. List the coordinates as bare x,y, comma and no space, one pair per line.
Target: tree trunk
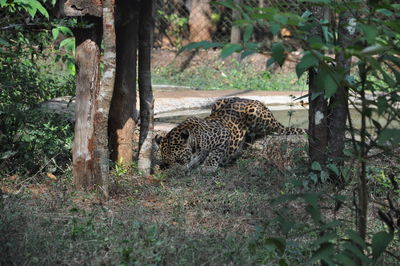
317,114
87,86
145,89
317,122
236,34
338,103
200,25
104,97
123,113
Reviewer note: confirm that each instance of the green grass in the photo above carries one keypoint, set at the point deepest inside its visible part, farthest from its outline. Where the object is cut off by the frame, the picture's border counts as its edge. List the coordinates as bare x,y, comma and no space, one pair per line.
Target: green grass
228,76
201,218
222,218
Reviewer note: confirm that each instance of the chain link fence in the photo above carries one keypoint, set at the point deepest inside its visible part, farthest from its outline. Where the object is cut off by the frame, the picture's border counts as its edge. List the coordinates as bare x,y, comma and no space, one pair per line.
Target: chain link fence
178,22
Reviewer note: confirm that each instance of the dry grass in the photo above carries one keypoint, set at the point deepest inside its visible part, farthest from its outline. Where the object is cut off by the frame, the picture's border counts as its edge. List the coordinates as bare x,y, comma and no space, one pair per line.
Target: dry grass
221,218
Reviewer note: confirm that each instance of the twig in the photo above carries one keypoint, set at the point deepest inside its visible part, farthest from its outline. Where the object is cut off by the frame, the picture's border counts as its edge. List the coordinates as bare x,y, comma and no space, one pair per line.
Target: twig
39,171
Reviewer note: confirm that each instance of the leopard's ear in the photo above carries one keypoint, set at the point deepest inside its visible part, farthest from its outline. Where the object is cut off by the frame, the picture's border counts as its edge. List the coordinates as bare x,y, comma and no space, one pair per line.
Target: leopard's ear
185,134
158,138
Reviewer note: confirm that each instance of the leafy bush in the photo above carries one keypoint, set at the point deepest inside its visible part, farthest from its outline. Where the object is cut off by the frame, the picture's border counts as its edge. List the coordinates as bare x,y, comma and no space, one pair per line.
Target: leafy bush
29,74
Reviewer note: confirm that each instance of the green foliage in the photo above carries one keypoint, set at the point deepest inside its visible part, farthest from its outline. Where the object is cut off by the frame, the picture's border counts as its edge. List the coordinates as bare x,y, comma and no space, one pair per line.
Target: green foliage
374,80
29,6
176,27
31,139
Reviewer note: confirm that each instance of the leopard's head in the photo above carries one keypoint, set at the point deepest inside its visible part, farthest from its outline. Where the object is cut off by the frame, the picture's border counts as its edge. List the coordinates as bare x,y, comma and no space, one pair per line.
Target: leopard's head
174,148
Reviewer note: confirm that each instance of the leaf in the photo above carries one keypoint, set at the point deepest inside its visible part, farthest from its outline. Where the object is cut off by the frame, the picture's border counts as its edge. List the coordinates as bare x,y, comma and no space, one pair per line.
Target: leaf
7,154
285,198
326,81
325,238
230,48
382,105
71,68
380,241
4,42
307,61
270,61
323,253
315,213
314,95
355,250
316,166
315,42
34,6
370,32
280,19
316,1
278,53
228,4
306,14
326,33
282,262
41,9
55,33
275,28
385,12
248,31
278,243
65,30
311,198
374,49
356,238
246,53
333,167
389,134
345,260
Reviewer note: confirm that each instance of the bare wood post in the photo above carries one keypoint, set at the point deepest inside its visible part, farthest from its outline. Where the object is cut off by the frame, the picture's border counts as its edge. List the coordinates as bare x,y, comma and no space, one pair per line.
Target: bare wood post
87,85
123,105
145,89
103,100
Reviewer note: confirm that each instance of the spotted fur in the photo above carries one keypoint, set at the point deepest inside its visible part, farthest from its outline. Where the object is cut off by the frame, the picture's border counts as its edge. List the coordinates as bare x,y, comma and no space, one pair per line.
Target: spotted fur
218,139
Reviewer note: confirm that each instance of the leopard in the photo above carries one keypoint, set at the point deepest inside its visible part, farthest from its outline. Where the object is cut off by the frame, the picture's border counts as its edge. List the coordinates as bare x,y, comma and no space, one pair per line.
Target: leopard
210,142
220,138
259,119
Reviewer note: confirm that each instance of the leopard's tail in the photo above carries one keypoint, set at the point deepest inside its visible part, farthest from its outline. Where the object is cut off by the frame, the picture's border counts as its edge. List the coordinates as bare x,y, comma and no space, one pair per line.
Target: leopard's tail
282,130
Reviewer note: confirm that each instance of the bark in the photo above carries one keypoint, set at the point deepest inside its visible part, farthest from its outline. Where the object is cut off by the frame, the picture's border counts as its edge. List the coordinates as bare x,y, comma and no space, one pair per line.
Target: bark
145,89
236,34
338,103
317,123
317,114
362,208
123,106
87,86
75,8
362,183
200,25
103,100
